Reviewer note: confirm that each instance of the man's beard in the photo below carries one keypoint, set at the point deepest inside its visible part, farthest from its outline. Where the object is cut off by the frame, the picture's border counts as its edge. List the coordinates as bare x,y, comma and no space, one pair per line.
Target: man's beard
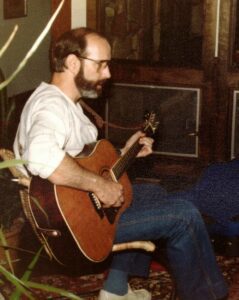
87,88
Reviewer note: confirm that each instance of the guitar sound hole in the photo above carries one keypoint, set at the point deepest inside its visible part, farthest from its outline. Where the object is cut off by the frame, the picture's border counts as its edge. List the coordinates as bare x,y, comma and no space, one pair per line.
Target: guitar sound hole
105,173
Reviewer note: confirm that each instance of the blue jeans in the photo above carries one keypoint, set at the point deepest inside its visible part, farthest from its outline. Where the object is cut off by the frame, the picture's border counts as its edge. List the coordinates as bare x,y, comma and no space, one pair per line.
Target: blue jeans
191,258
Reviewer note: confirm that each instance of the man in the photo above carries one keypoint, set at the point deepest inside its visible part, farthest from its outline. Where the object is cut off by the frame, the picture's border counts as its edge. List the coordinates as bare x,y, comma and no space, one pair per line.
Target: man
53,129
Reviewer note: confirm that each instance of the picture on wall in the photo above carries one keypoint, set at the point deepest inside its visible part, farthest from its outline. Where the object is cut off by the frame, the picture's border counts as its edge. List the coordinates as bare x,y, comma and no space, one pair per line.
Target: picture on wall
126,24
168,32
14,9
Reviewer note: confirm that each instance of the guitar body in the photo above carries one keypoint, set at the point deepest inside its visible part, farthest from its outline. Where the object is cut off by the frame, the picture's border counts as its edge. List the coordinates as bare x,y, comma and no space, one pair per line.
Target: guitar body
65,218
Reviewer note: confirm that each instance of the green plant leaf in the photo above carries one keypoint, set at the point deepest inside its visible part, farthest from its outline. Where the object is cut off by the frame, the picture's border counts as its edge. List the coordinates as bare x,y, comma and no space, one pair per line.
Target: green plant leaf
52,289
33,285
9,40
33,48
11,163
31,266
16,282
17,293
6,251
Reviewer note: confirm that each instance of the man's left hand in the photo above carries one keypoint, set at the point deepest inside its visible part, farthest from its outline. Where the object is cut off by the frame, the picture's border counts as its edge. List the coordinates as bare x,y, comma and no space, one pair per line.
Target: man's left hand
146,142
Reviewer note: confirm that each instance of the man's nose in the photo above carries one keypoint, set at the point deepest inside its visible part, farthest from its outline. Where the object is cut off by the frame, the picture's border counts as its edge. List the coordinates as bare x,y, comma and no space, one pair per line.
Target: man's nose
106,72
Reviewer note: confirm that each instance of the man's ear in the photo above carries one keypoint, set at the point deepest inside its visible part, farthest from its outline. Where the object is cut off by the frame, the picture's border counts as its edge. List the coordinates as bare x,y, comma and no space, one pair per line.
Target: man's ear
72,63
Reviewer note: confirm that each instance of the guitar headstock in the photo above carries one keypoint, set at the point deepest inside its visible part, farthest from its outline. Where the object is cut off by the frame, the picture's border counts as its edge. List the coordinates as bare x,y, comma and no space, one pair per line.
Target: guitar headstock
151,123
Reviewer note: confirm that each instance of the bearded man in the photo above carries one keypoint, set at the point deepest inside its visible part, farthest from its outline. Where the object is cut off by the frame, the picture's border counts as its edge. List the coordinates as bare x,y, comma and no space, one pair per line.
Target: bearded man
53,129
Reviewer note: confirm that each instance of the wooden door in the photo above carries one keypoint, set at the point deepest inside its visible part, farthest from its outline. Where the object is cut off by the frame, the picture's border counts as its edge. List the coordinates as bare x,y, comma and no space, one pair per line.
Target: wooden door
63,20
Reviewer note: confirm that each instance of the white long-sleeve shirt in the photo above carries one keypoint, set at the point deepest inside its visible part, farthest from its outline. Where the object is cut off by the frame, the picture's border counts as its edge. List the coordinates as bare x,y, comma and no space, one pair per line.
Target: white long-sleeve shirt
51,124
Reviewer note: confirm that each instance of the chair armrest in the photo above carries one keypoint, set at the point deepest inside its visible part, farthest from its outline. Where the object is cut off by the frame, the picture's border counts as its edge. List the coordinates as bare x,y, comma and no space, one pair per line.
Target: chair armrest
144,245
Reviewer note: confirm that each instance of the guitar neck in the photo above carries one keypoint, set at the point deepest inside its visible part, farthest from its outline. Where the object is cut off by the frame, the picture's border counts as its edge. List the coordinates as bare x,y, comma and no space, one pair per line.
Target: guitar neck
126,160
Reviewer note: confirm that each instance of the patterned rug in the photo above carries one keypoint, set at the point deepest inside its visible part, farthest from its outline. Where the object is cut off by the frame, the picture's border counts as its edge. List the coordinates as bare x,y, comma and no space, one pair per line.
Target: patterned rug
159,282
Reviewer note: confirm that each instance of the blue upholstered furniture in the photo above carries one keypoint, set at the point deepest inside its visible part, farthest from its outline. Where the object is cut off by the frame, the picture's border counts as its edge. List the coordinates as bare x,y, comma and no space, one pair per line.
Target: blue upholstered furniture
216,194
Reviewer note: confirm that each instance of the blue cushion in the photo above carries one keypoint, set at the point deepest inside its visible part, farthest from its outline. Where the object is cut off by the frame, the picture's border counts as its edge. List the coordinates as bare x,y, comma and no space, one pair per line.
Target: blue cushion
216,194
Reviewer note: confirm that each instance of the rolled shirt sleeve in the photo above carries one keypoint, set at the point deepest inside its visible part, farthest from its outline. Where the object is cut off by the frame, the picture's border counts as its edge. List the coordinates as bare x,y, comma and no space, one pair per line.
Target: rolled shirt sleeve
45,143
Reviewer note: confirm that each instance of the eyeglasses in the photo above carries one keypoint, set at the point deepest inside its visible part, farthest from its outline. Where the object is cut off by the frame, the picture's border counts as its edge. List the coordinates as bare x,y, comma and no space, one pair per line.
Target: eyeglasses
102,64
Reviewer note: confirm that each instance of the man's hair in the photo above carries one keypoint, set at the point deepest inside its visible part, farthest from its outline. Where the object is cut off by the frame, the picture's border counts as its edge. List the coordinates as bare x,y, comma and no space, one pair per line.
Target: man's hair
70,42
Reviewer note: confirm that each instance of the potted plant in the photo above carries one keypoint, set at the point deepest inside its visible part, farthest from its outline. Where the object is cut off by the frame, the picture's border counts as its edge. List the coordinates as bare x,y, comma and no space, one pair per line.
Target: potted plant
11,210
11,219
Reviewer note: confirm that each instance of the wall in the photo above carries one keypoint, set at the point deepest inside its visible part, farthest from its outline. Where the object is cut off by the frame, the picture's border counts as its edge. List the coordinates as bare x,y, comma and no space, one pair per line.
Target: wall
78,13
30,27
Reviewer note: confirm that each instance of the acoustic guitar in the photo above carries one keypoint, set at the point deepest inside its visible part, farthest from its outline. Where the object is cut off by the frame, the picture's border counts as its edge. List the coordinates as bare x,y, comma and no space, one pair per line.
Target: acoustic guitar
70,222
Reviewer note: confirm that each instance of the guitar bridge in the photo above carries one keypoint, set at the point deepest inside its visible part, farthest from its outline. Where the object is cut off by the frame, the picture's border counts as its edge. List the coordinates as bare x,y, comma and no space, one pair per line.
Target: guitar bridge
97,205
110,212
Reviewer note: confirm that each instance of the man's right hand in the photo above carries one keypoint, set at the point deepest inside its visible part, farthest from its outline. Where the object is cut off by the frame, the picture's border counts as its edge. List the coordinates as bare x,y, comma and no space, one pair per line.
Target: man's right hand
110,193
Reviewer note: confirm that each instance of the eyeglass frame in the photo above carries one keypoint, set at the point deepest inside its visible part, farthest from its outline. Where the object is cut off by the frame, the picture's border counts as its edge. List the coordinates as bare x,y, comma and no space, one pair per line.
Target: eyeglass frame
98,62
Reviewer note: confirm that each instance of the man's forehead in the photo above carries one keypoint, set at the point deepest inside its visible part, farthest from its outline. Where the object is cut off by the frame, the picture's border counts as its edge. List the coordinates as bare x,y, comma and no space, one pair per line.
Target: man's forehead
97,44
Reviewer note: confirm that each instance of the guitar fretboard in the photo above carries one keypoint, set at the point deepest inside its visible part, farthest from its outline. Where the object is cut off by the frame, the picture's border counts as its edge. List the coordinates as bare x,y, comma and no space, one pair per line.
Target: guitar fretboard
126,160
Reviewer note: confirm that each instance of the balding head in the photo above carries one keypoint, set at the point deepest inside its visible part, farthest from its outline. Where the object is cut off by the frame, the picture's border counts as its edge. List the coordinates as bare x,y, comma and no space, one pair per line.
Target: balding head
79,41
